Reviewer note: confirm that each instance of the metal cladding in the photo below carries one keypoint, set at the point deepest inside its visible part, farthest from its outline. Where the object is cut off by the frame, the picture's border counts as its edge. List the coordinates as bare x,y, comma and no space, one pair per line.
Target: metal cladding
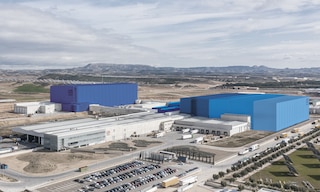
269,112
76,98
170,106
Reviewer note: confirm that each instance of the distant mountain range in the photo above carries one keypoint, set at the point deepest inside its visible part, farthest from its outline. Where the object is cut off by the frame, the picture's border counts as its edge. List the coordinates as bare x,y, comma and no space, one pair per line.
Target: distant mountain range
136,69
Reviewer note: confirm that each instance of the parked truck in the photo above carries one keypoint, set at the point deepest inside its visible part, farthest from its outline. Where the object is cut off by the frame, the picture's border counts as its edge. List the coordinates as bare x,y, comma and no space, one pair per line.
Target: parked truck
184,188
254,147
284,135
185,130
194,131
198,139
188,180
170,182
243,152
160,134
188,136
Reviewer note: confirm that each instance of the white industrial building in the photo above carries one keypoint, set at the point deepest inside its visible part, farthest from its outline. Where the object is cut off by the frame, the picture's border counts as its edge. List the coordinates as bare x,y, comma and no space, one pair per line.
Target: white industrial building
62,135
228,124
30,108
314,107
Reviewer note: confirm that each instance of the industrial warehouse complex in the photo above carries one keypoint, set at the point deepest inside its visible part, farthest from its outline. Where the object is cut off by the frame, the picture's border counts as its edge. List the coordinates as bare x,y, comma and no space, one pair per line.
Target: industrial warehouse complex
268,112
219,114
77,133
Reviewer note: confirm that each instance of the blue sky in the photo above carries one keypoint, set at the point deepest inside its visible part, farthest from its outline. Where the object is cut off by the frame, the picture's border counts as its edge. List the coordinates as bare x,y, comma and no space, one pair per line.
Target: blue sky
179,33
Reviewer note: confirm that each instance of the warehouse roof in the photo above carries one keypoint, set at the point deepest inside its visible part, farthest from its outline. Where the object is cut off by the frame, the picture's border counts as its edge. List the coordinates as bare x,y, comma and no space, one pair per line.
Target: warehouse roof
64,128
203,120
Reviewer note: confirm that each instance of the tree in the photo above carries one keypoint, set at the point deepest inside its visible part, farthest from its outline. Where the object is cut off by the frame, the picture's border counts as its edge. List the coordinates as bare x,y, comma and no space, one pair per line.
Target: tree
223,183
215,176
235,175
232,180
221,173
240,187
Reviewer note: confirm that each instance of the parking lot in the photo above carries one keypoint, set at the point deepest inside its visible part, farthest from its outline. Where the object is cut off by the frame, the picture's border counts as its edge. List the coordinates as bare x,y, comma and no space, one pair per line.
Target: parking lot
131,176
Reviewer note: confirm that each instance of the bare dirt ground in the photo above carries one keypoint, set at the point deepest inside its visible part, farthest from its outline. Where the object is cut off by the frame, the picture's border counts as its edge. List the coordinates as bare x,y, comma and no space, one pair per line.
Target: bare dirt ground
48,163
240,139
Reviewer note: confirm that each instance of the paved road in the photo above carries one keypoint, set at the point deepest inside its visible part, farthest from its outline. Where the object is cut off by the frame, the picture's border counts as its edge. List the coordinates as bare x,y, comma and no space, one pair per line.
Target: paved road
171,139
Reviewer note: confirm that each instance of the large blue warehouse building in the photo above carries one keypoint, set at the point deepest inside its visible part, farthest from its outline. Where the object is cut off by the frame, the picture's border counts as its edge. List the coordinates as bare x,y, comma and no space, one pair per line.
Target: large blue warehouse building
76,98
269,112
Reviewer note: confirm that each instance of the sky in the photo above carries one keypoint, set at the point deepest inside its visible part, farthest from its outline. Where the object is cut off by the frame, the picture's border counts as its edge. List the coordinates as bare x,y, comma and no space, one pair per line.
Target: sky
42,34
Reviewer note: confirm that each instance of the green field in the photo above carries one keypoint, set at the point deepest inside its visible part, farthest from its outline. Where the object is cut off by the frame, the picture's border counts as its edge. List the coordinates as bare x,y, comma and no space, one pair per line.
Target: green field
304,162
31,88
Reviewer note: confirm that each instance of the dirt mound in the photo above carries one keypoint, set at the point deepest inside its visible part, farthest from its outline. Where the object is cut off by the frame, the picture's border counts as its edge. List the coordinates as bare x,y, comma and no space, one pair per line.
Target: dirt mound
44,162
40,166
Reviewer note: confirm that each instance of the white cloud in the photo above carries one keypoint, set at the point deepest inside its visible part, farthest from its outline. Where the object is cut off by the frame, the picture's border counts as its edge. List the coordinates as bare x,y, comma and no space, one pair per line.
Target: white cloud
163,33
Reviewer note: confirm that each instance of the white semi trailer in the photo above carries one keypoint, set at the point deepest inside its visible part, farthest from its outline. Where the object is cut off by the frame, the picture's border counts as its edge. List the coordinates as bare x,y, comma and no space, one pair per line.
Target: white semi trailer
254,147
188,180
194,131
198,139
188,136
160,134
185,130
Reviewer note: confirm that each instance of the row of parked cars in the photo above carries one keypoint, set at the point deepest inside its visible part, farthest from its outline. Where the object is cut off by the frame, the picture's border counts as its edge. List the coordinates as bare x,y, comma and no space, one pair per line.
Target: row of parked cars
103,178
109,172
143,180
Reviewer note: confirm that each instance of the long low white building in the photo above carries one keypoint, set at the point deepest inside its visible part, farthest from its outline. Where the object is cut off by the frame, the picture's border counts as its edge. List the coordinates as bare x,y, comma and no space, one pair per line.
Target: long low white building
228,125
62,135
30,108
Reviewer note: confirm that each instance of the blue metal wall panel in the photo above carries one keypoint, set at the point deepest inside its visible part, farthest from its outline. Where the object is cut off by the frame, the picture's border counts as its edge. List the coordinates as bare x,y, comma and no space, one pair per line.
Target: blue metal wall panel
201,108
189,105
291,112
185,105
279,113
264,117
238,104
63,94
78,97
168,109
108,94
269,112
75,107
174,103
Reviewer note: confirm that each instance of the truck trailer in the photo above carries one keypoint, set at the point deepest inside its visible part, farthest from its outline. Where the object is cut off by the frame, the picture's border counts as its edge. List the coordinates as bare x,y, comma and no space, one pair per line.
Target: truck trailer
160,134
184,188
194,131
185,130
188,136
198,139
170,182
243,152
254,147
188,180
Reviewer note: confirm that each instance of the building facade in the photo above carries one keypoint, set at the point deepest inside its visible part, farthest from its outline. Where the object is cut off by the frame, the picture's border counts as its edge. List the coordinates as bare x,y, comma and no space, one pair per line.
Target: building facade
76,98
268,112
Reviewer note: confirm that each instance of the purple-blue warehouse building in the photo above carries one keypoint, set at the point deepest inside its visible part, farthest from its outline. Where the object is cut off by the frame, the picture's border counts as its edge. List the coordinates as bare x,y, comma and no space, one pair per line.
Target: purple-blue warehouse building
269,112
76,98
